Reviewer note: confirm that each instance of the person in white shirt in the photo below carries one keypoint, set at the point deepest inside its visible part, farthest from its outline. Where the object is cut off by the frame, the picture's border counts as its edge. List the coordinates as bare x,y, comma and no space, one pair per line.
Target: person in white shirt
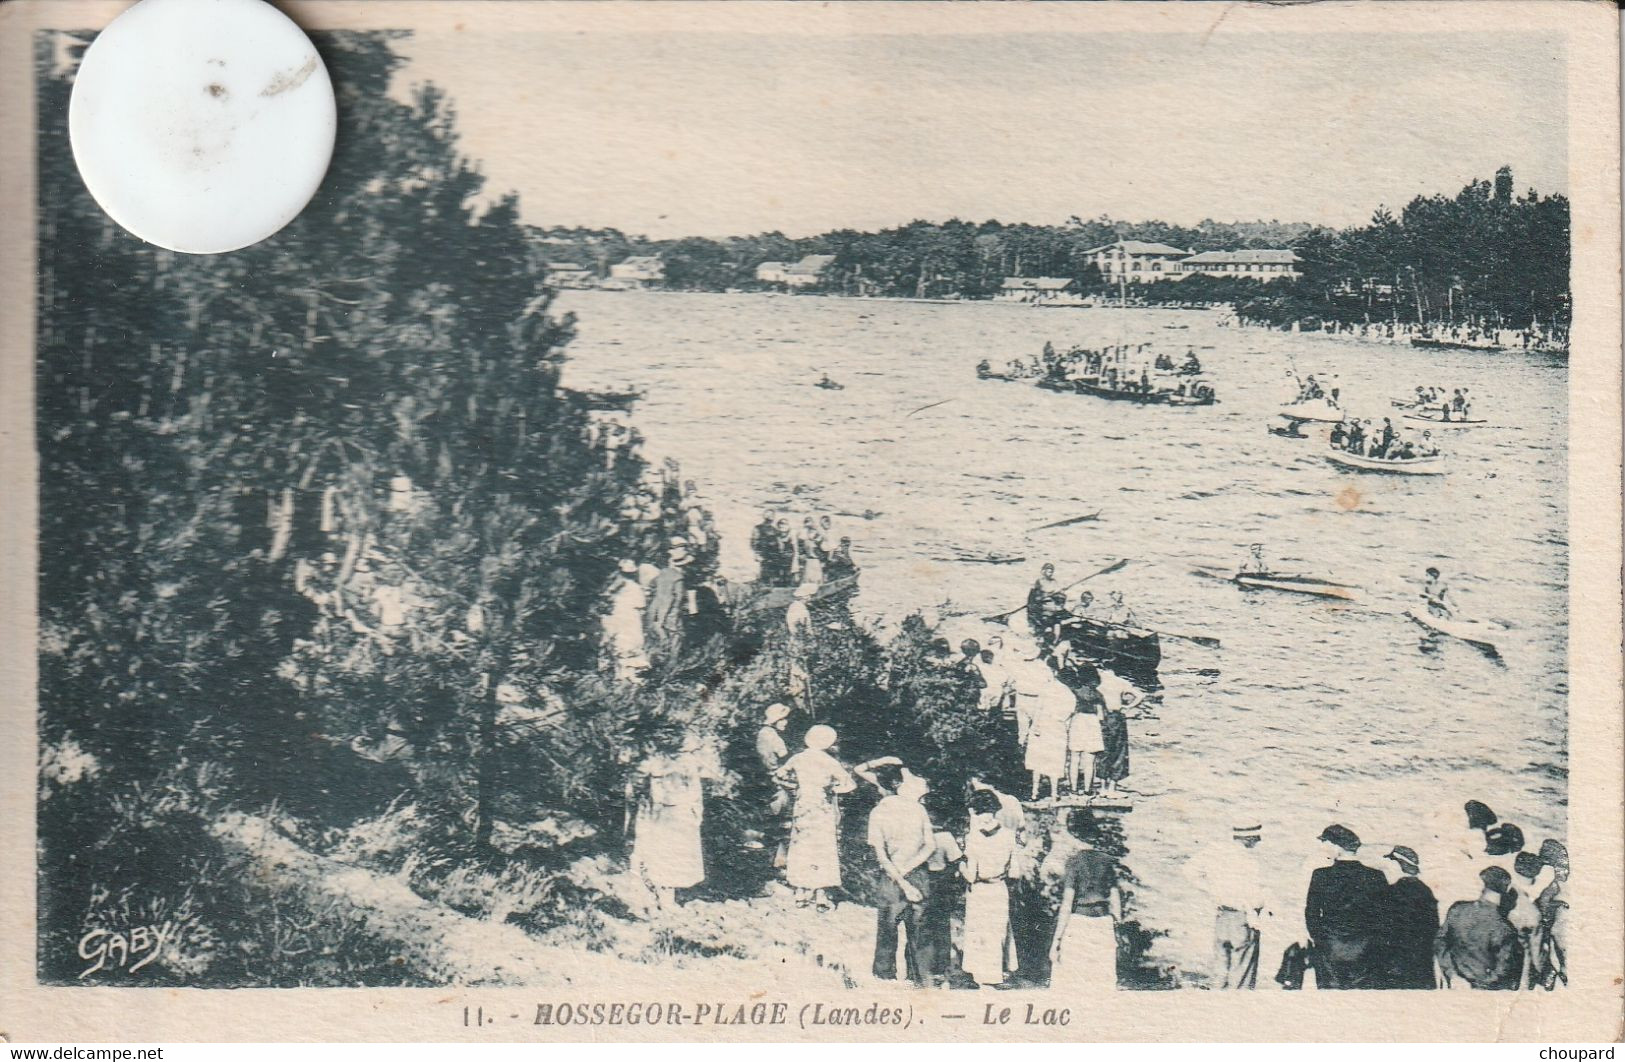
901,835
1232,876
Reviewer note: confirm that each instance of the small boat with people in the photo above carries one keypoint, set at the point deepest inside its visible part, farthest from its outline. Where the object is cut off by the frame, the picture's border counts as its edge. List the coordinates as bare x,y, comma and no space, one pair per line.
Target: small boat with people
1429,465
830,385
1133,652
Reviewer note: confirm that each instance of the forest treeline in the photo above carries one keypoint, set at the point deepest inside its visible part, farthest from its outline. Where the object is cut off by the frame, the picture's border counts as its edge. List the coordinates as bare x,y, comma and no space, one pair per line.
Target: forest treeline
1486,255
325,539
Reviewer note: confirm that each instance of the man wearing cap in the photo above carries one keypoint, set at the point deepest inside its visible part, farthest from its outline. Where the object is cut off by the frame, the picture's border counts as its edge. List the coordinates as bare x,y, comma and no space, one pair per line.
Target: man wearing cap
1477,946
1231,875
1413,922
902,837
1344,915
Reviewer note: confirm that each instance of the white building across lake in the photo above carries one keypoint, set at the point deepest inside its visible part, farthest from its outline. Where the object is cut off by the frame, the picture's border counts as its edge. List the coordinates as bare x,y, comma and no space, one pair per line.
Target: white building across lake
1036,289
638,271
1136,261
1256,264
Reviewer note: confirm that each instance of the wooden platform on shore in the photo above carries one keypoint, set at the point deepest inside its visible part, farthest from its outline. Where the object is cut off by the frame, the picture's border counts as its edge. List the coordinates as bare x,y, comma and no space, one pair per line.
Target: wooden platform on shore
1106,806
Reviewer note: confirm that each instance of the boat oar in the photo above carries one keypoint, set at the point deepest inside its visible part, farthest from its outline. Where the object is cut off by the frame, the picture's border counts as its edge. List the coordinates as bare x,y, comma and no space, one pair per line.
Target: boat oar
1200,639
1068,522
1116,566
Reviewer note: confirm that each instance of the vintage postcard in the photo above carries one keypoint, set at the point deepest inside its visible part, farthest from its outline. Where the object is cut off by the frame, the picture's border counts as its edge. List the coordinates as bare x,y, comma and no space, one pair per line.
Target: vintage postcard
831,522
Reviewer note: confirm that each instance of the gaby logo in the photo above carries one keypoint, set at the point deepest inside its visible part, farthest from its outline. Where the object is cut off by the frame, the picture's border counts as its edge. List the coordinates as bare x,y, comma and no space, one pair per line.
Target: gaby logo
132,950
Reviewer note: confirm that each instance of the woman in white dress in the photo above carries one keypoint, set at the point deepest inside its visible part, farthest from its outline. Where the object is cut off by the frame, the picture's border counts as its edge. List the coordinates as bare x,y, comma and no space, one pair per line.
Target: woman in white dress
989,848
666,848
813,862
1047,737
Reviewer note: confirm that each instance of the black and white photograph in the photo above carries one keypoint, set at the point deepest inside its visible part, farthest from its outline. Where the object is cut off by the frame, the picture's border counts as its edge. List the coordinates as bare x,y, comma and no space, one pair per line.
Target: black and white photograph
911,518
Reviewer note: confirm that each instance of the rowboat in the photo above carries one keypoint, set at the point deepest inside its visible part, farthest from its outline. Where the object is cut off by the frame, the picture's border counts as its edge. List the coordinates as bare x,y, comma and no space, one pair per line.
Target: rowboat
613,401
1296,584
1473,633
1475,422
1144,398
1398,466
1320,410
781,596
1131,652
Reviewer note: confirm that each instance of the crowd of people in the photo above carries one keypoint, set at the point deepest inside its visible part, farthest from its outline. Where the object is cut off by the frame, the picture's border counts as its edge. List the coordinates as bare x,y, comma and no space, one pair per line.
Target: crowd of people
1378,924
957,872
1384,442
666,592
806,555
1478,335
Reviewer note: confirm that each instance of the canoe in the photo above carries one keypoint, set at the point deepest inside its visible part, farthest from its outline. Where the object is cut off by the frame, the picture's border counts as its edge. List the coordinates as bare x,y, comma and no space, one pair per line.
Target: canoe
1319,410
1296,584
1447,344
981,558
1416,466
1474,634
1474,422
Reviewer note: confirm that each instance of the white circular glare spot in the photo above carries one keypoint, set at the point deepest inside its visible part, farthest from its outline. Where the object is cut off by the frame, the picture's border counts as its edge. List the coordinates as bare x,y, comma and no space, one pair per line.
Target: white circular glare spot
202,125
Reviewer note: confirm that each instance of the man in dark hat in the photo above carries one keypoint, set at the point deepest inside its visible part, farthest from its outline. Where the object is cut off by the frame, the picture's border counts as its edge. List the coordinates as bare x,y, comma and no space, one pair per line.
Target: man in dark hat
1479,815
1413,922
1503,840
1476,945
1344,915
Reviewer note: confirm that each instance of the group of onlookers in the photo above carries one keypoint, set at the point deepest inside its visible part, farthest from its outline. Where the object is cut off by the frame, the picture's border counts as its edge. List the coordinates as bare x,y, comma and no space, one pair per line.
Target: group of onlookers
806,555
947,865
1505,927
665,593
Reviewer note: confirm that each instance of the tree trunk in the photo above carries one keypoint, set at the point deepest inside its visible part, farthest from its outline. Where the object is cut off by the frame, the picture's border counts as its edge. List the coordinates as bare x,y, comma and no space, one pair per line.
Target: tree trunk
486,775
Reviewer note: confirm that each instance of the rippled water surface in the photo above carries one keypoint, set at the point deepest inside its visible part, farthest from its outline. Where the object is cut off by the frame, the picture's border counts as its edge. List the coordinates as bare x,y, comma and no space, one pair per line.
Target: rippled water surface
1319,712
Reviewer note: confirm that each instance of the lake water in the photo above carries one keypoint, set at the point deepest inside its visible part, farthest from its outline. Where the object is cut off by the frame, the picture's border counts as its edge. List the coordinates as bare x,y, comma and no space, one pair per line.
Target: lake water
1319,712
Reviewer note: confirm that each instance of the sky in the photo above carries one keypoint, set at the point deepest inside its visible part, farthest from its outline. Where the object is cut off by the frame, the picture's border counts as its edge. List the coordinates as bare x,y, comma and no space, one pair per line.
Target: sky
715,134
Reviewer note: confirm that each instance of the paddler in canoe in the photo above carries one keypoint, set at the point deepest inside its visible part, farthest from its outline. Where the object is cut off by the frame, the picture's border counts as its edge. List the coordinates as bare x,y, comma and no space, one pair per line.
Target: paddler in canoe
1436,594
